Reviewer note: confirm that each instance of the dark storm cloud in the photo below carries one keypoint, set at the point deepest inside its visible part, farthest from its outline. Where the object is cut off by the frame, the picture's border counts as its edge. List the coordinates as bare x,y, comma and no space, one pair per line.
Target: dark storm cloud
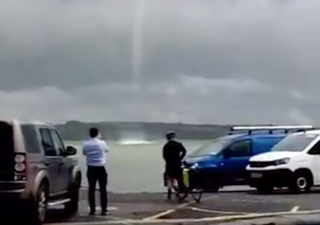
200,61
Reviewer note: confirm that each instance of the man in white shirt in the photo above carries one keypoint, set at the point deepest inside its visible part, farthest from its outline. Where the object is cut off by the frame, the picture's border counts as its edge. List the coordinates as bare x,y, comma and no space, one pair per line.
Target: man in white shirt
95,151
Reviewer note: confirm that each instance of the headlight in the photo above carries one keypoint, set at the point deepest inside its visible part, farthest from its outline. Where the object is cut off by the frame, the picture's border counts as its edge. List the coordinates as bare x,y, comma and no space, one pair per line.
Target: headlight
194,166
281,161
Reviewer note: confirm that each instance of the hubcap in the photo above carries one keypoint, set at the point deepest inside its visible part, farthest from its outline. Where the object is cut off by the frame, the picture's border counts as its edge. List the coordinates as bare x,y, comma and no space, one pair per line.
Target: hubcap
302,182
42,203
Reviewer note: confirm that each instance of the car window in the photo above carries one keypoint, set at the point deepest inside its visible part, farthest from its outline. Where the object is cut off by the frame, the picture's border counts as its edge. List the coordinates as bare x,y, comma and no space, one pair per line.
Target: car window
57,141
294,142
315,150
47,142
30,138
211,148
241,148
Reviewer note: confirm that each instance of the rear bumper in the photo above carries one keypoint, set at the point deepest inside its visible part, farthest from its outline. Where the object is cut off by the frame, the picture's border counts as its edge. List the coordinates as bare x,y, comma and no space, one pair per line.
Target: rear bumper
275,178
12,186
12,190
17,210
14,201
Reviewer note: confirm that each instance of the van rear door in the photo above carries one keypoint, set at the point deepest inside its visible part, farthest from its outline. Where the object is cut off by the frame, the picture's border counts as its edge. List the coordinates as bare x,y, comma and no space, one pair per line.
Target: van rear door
6,152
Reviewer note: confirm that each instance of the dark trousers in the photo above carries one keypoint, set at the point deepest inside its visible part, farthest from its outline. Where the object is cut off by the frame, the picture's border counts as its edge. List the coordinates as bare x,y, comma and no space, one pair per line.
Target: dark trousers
97,174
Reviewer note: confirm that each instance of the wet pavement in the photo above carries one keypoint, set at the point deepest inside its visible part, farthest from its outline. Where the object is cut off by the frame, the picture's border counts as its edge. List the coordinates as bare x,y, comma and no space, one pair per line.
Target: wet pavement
143,207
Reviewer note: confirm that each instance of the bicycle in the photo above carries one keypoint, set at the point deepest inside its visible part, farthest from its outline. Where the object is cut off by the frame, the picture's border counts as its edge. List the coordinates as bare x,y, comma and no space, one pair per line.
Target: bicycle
189,186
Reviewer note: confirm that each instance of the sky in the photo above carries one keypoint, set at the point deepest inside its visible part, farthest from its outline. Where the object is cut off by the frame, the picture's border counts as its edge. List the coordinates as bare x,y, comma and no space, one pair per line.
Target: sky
195,61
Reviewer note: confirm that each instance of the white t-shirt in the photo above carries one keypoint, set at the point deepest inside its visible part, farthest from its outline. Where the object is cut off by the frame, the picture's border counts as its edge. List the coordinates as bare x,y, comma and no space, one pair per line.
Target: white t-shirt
95,151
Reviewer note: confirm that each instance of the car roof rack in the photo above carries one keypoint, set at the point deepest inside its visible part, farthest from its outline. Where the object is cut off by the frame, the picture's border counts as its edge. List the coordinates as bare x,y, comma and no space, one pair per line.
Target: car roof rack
270,129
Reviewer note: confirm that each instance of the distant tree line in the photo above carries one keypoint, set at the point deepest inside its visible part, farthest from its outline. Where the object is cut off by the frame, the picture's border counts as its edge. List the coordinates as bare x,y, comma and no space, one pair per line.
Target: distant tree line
76,130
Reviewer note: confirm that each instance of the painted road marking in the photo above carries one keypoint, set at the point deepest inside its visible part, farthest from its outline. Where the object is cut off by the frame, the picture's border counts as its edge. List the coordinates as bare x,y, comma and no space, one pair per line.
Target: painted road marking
181,206
124,220
206,219
295,209
167,212
216,211
102,217
109,208
156,216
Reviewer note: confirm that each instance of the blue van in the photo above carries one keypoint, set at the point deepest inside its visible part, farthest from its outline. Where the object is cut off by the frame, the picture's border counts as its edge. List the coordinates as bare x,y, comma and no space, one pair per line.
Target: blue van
223,161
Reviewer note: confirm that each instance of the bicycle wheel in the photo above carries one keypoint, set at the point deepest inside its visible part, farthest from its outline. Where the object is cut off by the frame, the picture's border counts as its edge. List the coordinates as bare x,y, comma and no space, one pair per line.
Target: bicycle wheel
197,194
182,194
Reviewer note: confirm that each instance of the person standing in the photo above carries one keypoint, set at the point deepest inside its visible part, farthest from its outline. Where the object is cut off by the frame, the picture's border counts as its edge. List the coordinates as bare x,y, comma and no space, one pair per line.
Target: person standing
95,151
173,154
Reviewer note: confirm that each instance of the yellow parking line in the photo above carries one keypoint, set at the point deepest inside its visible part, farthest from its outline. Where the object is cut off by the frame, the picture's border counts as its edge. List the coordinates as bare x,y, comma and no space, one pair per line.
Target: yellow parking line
217,211
181,206
206,219
156,216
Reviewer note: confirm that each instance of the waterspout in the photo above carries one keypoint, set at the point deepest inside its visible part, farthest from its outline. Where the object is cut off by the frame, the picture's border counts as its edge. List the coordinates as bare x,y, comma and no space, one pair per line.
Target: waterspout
137,56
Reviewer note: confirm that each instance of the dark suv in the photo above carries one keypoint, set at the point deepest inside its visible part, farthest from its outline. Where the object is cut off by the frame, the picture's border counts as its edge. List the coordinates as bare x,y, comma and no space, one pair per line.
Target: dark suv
36,169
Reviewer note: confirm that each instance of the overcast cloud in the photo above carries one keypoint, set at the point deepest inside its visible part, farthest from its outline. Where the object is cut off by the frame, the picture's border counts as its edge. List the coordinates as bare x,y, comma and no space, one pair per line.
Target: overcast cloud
206,61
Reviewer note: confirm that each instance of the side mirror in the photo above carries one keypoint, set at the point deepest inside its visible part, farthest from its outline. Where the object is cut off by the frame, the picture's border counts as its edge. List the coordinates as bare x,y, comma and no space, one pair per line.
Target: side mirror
227,153
71,150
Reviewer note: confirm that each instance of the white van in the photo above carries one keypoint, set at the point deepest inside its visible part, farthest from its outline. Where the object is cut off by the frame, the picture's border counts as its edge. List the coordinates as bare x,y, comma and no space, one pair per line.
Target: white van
294,162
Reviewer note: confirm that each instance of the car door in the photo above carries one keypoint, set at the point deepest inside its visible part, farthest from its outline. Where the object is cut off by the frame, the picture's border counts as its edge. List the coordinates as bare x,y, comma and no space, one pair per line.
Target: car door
234,166
65,170
51,159
314,154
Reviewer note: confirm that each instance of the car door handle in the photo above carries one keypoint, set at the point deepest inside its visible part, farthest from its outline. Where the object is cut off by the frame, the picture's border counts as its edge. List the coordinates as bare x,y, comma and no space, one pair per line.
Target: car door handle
46,163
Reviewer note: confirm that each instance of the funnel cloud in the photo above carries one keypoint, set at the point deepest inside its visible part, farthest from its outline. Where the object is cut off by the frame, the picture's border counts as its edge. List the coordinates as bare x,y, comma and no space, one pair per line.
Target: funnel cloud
195,61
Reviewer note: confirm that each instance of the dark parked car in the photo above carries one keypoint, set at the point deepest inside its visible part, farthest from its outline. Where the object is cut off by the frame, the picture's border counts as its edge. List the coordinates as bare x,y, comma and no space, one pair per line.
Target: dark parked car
36,169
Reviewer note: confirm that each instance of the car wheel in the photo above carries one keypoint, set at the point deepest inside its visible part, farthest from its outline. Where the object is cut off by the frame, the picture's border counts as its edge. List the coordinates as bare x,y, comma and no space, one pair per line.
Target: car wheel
72,206
41,202
265,189
301,183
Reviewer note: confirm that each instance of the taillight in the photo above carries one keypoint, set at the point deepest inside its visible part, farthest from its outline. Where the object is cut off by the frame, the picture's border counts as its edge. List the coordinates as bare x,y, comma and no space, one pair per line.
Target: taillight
20,166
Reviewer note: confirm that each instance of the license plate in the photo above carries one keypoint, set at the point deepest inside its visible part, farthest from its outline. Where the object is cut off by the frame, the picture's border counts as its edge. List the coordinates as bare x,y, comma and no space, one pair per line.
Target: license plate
256,175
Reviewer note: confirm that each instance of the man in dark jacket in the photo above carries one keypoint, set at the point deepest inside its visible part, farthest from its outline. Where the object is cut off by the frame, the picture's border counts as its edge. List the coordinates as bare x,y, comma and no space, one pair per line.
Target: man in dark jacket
173,153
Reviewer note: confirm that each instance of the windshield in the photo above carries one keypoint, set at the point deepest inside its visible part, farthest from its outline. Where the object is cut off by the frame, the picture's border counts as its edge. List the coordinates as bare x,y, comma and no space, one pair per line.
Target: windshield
295,142
211,148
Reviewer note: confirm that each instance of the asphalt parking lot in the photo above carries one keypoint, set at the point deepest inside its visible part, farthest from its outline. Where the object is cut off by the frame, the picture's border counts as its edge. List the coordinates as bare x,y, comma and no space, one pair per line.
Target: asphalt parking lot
153,206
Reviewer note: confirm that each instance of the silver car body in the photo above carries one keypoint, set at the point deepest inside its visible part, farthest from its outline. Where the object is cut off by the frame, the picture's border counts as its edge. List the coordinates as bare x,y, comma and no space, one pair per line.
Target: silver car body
59,171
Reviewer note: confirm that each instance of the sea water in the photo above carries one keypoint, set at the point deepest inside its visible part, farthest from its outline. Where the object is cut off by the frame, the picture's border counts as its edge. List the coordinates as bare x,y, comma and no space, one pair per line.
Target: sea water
133,165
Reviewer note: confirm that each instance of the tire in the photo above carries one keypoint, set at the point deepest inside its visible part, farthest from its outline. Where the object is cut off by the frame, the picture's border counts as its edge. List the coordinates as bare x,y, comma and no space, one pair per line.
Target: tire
181,194
40,204
197,194
301,183
72,206
265,189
